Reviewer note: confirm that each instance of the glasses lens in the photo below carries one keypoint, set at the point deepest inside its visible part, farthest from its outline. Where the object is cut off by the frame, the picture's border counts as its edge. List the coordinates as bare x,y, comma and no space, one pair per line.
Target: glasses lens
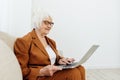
48,23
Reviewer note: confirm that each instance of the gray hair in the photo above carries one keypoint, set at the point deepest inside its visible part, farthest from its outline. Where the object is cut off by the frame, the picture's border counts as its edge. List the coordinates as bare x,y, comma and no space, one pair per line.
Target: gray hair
38,16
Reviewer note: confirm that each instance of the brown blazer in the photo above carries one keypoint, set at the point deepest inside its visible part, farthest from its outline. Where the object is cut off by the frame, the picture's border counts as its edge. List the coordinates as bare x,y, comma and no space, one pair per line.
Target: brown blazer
32,55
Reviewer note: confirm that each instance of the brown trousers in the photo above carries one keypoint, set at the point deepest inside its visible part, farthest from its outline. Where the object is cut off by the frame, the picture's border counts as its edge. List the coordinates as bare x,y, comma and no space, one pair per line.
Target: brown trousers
67,74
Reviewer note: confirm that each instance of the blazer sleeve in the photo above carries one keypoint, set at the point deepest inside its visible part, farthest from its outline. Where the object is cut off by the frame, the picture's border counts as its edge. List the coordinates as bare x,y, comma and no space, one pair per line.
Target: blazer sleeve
21,49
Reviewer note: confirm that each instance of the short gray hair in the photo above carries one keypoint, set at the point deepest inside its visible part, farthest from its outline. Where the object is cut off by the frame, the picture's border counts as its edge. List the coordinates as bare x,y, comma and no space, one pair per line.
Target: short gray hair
38,16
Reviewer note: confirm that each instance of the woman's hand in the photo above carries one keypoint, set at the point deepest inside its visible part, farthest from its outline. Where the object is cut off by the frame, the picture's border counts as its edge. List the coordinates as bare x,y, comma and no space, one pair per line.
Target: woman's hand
66,61
49,70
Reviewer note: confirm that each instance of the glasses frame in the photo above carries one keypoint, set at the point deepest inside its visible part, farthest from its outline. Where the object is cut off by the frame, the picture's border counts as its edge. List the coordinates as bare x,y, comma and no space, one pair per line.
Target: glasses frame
48,23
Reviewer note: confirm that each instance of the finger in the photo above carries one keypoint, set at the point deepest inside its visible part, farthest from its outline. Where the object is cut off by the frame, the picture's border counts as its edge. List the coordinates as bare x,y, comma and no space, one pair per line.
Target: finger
70,60
51,73
55,69
64,61
51,70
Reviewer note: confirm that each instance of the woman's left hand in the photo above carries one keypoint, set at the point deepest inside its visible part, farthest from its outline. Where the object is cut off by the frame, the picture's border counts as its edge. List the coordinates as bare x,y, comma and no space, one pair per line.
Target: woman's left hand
66,61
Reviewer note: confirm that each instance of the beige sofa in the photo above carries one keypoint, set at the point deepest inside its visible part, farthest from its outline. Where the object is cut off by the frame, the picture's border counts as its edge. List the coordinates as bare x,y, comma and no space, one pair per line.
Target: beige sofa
9,66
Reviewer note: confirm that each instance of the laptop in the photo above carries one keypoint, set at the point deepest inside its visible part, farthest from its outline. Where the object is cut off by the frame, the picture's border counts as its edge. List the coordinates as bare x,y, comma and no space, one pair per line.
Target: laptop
82,60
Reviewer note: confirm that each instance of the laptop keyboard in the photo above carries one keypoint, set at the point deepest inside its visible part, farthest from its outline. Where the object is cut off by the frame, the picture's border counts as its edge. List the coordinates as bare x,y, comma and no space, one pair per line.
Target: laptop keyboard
68,66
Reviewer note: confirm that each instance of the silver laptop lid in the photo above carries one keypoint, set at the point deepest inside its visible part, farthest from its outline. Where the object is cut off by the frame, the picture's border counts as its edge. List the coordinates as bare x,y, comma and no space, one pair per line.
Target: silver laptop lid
88,54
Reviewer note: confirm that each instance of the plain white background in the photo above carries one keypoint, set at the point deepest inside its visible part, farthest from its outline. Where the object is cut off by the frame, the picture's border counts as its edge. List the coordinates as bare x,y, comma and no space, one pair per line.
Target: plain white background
78,25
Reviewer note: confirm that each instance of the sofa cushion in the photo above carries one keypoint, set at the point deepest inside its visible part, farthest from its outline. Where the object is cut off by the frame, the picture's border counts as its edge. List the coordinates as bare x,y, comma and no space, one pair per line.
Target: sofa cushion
9,66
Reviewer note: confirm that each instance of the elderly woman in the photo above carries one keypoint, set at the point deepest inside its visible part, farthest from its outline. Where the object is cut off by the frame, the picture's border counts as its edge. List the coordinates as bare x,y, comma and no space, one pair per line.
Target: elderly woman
38,56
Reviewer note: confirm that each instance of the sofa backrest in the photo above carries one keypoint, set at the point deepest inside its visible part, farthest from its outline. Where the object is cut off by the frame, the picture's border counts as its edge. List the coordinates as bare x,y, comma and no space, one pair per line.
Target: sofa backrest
8,39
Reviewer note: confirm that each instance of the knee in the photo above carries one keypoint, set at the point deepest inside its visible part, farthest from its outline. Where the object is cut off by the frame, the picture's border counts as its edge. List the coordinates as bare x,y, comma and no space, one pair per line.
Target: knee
81,68
82,71
74,74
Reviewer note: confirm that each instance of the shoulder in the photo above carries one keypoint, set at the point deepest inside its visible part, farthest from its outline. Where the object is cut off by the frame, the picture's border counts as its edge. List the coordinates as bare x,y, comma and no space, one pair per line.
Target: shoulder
25,40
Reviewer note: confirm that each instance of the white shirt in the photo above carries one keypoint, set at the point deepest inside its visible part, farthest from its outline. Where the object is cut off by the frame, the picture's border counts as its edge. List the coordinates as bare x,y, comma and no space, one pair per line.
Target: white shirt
51,54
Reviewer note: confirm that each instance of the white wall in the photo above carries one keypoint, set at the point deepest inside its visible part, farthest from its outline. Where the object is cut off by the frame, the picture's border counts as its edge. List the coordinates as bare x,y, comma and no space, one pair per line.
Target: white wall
81,23
15,16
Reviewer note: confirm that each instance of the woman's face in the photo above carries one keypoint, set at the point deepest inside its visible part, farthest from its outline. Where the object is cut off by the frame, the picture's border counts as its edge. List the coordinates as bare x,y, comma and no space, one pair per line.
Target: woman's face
46,26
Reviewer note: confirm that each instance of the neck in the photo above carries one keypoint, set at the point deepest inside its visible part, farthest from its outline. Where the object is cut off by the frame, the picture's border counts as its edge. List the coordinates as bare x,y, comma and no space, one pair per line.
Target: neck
39,34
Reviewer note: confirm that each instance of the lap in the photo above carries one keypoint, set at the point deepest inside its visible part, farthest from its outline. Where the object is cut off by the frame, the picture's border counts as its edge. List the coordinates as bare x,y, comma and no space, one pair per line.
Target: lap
66,74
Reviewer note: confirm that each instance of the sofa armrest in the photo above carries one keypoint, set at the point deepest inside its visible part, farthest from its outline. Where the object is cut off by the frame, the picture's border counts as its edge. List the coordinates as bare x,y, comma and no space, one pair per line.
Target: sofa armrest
9,66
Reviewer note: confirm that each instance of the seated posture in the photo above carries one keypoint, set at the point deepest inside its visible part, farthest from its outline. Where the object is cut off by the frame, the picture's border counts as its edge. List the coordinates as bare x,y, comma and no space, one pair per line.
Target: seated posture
38,55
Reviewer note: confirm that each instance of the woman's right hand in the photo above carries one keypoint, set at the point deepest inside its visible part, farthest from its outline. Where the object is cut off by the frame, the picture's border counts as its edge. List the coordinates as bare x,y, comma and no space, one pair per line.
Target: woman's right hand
49,70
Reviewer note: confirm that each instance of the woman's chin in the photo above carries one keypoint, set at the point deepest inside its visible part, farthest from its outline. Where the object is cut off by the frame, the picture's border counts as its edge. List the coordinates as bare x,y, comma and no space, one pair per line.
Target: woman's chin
46,33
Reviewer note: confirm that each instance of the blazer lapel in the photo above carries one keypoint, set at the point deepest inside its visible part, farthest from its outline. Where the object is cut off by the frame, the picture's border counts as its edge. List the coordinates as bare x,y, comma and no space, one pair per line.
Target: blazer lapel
37,42
51,45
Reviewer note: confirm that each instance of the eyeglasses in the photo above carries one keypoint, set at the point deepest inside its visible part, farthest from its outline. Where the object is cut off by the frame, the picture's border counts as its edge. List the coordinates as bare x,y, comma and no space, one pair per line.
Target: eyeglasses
48,23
